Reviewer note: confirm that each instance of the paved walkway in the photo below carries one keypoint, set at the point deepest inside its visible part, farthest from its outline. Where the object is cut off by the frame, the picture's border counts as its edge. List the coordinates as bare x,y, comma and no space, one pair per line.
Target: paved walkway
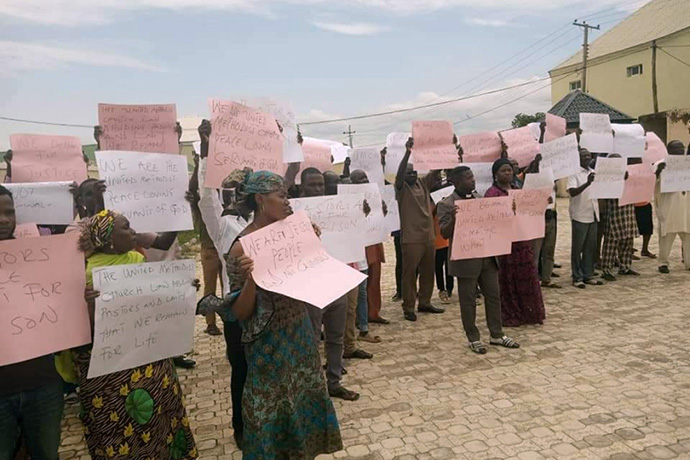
606,377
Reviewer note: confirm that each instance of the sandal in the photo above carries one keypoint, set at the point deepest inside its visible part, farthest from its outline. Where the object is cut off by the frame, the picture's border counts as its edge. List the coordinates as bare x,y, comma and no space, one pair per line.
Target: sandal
504,341
551,285
579,284
592,282
365,337
343,393
478,347
648,254
358,354
379,320
608,277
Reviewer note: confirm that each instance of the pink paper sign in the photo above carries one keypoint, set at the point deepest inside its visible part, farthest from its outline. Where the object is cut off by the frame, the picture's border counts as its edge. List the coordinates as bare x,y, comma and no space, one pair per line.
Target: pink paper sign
42,306
530,207
521,145
138,128
289,259
483,228
26,231
40,158
317,154
480,148
656,150
555,127
433,146
241,137
639,187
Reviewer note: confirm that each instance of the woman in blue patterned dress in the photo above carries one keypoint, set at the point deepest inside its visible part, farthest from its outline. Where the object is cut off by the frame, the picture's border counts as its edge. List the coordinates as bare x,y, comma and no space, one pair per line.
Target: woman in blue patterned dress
287,412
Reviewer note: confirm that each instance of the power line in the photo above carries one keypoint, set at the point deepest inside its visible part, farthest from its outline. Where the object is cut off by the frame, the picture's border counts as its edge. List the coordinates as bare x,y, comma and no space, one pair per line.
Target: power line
49,123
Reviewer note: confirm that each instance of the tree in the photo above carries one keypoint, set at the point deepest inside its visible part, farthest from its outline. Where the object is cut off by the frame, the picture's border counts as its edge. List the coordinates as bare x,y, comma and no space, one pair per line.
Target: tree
522,119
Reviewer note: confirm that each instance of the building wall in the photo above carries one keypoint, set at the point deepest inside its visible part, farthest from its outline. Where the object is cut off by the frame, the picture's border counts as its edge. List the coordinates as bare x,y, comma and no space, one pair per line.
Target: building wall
607,78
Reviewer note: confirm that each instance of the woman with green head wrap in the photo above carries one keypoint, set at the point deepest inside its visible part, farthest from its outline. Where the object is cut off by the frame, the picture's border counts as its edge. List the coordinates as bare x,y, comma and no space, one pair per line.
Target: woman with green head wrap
286,409
136,413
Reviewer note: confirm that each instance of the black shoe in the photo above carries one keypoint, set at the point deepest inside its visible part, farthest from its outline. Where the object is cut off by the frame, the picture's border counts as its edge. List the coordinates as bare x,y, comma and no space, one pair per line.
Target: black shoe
396,298
430,309
411,316
557,265
664,269
628,272
239,439
184,363
555,275
608,277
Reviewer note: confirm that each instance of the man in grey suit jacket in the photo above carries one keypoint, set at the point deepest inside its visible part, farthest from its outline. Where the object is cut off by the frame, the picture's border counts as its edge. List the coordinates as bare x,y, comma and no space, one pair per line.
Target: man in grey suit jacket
472,272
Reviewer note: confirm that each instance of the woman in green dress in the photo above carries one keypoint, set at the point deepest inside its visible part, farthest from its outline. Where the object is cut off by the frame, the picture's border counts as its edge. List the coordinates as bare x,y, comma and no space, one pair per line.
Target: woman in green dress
137,413
287,412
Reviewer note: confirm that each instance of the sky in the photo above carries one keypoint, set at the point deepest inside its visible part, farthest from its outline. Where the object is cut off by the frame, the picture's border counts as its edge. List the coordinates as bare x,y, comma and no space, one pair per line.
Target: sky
328,59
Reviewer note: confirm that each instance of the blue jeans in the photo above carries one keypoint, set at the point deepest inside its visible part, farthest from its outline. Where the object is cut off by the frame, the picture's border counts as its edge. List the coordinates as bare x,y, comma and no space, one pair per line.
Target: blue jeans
584,250
38,414
362,306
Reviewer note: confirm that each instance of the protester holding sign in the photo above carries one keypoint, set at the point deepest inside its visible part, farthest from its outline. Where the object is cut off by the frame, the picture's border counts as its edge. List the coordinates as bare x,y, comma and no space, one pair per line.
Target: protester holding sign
584,215
521,298
137,412
30,390
417,233
482,272
286,409
673,211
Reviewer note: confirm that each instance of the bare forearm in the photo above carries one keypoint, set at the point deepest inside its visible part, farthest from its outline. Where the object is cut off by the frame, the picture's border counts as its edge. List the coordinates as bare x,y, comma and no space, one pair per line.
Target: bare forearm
402,170
244,306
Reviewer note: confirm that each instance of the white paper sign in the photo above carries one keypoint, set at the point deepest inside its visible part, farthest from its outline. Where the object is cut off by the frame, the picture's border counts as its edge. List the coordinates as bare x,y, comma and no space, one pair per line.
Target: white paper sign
562,156
368,159
596,132
543,179
609,179
339,152
483,177
282,112
147,188
395,151
676,176
342,222
46,203
629,141
440,194
393,217
145,313
376,227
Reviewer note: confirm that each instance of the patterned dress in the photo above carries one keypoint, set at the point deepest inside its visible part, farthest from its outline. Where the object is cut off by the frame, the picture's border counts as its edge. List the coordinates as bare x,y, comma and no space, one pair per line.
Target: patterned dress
521,298
287,412
137,414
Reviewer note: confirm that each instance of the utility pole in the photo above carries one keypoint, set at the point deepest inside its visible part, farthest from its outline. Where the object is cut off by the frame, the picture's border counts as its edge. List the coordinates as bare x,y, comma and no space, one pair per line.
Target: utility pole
349,132
655,91
585,50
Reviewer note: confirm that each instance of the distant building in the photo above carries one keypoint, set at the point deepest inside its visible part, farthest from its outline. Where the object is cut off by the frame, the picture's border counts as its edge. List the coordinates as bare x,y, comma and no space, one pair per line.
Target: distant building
641,67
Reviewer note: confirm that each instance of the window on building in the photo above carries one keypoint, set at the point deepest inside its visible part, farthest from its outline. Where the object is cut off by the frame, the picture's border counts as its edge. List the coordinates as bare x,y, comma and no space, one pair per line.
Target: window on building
577,84
634,70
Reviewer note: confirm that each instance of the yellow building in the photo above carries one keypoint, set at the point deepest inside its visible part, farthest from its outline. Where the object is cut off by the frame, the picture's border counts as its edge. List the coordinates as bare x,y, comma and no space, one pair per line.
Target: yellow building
641,67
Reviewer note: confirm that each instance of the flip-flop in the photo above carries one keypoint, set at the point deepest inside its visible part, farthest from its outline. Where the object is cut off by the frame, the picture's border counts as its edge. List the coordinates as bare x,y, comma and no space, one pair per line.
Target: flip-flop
369,338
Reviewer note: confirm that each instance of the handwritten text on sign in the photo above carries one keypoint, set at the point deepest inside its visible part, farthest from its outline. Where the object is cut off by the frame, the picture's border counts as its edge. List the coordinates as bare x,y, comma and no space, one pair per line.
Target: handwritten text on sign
597,135
288,256
27,230
676,176
368,159
521,145
639,188
147,188
39,158
395,151
145,313
392,219
42,306
283,113
138,128
561,156
241,137
433,146
47,203
530,206
483,228
377,230
480,147
342,223
609,179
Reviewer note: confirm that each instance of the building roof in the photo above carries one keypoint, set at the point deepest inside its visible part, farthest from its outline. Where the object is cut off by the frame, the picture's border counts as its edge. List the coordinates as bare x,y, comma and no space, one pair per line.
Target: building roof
657,19
577,102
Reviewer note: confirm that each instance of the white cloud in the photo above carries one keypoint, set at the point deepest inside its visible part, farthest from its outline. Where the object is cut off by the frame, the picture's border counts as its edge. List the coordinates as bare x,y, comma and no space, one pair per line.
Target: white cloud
19,56
79,12
355,28
488,22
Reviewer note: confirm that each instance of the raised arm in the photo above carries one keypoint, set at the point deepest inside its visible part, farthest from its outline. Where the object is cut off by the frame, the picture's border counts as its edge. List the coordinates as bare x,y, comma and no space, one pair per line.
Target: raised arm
402,169
575,191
